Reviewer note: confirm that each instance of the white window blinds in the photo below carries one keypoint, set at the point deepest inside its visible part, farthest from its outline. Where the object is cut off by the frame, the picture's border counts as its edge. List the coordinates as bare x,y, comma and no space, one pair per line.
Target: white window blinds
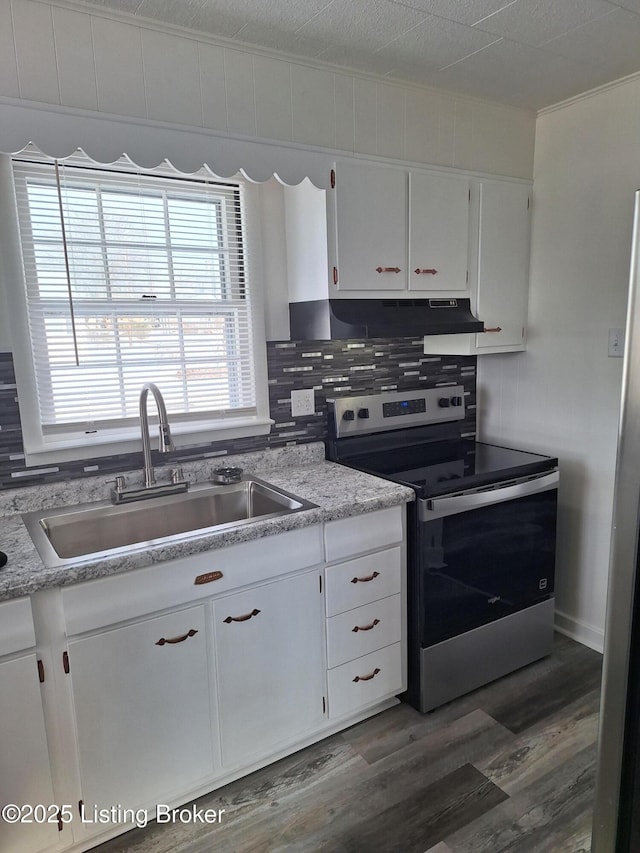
132,278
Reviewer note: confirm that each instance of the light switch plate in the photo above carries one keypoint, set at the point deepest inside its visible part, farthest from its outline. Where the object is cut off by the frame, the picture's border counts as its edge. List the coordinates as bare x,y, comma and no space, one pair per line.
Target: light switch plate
616,343
303,402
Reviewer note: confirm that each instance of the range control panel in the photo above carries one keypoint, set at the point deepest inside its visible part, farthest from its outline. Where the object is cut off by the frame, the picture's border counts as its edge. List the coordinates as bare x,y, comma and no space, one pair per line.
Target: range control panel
396,409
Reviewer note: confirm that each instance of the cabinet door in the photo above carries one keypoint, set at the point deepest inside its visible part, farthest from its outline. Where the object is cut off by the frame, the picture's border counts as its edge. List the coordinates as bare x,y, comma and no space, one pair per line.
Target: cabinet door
371,223
269,645
143,709
25,776
439,232
503,263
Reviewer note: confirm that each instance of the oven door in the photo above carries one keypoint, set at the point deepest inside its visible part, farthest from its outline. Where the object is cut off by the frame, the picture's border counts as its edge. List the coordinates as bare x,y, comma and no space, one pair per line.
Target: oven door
483,555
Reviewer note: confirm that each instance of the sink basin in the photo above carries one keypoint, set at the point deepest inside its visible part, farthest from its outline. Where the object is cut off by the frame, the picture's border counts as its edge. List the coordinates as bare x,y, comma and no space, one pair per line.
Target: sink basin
65,535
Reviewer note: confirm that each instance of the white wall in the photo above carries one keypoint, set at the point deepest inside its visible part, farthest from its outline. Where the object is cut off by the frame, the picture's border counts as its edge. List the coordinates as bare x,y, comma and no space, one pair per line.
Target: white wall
110,63
562,396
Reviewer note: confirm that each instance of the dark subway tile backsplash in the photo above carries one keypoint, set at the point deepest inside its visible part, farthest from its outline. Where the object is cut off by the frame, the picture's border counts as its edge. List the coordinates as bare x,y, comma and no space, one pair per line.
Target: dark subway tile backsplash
332,368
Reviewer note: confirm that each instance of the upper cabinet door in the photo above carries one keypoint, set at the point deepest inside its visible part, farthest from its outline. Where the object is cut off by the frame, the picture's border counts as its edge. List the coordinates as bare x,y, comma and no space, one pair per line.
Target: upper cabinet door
371,225
503,263
439,232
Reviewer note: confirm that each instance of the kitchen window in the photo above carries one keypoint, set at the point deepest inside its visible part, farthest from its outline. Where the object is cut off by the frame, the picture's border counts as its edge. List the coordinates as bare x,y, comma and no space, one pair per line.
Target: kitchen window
133,277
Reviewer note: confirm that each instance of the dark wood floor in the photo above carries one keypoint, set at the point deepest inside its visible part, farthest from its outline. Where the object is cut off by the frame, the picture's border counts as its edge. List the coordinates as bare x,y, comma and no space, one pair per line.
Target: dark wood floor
509,767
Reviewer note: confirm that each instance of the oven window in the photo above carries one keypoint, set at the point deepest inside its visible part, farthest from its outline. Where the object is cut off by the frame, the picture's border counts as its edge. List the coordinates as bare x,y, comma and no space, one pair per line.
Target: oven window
480,565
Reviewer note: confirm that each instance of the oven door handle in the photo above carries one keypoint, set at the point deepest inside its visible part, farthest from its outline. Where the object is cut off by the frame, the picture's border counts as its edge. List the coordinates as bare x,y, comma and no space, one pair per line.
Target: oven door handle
433,508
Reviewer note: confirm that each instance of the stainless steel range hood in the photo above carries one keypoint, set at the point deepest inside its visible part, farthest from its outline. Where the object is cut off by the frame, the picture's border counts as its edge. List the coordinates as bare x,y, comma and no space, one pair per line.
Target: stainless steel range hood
341,319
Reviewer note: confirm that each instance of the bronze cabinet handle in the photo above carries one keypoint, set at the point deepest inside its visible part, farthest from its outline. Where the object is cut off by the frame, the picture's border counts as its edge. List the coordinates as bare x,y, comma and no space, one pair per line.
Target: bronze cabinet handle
173,640
242,618
418,271
388,269
367,677
207,577
496,329
365,580
365,627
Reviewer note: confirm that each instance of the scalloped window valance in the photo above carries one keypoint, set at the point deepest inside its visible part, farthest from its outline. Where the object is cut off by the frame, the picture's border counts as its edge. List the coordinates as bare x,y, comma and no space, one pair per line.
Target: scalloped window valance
60,132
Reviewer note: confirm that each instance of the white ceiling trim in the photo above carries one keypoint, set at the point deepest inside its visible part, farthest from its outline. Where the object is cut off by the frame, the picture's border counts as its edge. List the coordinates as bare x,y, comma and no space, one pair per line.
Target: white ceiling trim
591,93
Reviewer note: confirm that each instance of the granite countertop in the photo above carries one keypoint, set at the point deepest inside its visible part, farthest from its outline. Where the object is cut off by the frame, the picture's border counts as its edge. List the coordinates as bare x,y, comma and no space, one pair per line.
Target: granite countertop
337,491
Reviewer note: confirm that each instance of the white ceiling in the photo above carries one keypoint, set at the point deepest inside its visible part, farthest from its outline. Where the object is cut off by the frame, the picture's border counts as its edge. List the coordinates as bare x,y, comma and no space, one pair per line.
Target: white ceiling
529,53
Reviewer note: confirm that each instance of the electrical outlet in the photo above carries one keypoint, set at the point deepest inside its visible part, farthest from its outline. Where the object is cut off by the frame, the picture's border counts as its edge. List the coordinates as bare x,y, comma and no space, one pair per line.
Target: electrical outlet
303,402
616,343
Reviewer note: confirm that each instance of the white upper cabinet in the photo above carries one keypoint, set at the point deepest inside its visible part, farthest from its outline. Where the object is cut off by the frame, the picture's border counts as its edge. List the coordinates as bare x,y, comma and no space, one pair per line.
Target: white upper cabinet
499,271
503,264
371,228
438,232
397,231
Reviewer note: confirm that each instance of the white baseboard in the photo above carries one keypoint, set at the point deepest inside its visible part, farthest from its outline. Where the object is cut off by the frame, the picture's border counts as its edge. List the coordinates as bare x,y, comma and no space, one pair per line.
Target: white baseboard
580,631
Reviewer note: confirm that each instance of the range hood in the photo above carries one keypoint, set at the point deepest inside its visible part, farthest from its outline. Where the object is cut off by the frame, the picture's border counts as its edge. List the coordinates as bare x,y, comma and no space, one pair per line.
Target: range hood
341,319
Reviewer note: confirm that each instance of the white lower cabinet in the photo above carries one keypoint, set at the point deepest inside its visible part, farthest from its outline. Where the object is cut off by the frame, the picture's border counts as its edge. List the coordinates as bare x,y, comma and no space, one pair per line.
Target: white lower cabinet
365,681
25,772
25,775
366,614
365,629
143,711
270,664
167,682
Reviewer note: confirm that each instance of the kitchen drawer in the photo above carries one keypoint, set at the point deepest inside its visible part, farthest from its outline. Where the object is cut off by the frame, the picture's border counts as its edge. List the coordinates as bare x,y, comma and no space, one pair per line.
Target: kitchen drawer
105,601
365,629
366,680
349,536
16,626
357,582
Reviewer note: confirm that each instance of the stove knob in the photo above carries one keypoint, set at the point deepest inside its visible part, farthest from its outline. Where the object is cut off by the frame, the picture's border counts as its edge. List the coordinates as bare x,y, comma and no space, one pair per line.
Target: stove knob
444,402
348,415
456,401
363,413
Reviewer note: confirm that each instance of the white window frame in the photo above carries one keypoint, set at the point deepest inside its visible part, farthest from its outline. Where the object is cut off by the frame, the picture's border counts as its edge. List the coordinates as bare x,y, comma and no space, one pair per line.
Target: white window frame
193,431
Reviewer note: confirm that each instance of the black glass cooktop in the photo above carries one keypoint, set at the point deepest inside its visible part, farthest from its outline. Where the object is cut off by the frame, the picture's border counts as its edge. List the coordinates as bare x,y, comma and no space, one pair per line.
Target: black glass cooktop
441,467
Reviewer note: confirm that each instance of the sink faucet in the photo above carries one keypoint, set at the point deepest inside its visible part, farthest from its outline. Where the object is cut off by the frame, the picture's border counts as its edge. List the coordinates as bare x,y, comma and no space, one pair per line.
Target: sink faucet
121,493
165,442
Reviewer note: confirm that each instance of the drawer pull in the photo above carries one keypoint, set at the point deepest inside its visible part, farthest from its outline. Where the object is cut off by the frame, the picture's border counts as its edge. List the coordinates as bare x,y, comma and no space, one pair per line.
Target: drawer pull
367,677
496,329
365,627
173,640
418,271
242,618
388,269
366,580
208,577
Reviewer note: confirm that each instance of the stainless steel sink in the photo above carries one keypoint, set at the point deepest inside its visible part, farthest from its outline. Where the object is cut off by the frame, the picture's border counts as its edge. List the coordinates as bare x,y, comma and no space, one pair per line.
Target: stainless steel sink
66,535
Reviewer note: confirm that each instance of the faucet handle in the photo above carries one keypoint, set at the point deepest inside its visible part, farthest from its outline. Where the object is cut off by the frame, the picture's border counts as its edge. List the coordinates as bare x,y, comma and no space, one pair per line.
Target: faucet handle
177,475
120,483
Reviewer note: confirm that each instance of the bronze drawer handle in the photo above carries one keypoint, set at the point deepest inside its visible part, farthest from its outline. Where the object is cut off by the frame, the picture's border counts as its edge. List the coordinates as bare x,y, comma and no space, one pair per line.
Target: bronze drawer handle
418,271
366,627
367,677
207,577
497,329
388,269
242,618
173,640
365,580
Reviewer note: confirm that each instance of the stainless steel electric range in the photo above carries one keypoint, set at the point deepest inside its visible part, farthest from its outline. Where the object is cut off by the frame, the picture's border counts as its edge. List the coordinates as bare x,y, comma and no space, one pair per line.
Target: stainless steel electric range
481,537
